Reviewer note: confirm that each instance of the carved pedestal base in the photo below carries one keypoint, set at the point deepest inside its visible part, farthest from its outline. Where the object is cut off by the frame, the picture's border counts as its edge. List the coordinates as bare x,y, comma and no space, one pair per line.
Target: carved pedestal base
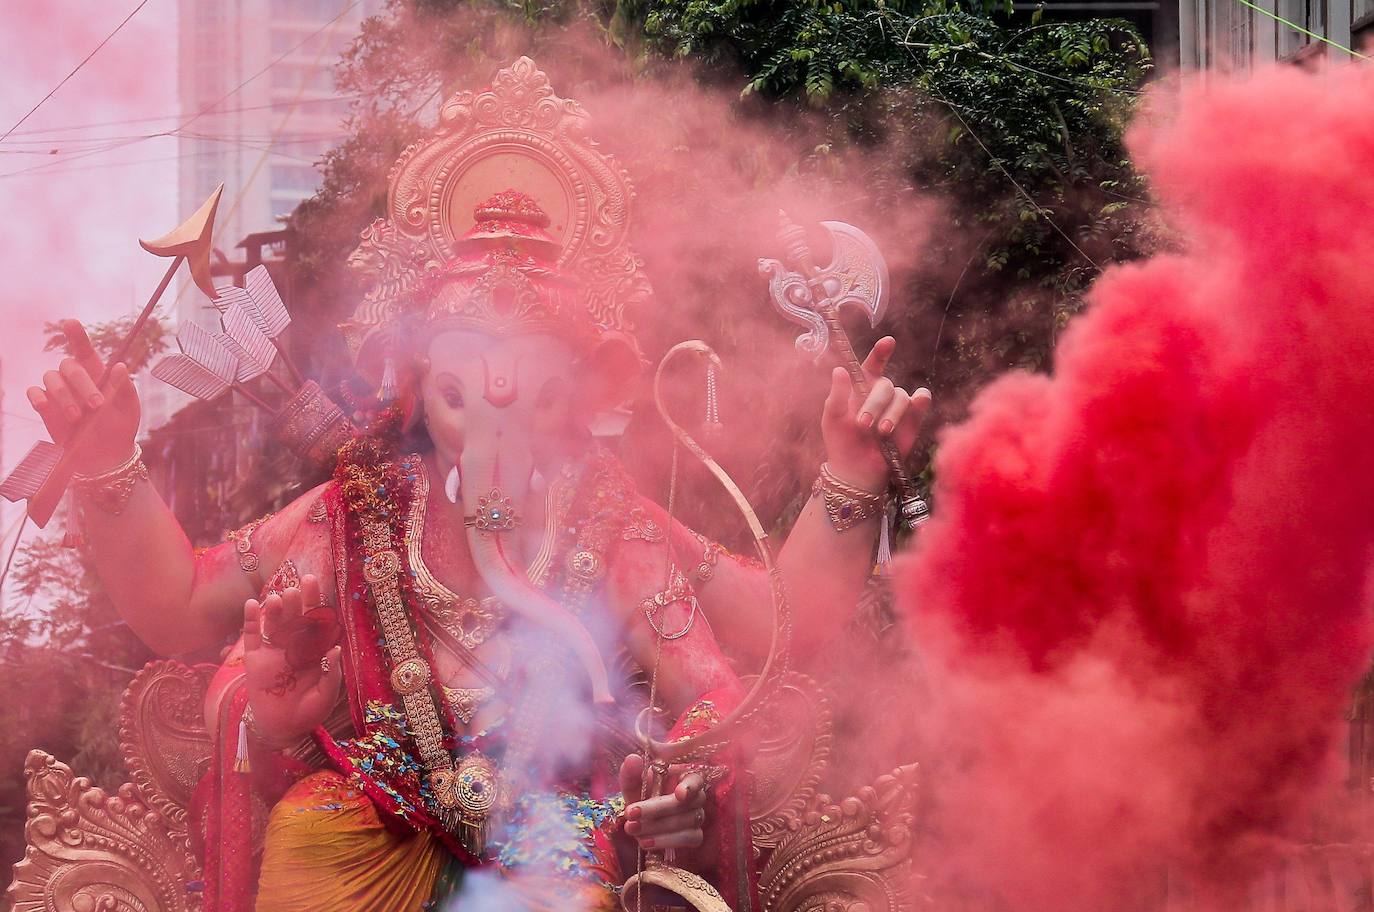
93,852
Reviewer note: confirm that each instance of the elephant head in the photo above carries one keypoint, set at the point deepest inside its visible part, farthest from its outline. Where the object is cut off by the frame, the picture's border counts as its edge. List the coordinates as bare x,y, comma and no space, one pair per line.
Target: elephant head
499,408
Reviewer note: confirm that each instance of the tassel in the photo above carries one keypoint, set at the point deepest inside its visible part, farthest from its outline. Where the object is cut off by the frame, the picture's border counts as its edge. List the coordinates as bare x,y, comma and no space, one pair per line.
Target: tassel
885,538
387,394
241,762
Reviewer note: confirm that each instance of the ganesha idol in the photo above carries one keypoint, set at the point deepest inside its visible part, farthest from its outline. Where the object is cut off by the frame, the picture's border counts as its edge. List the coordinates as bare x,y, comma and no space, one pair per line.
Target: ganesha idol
477,669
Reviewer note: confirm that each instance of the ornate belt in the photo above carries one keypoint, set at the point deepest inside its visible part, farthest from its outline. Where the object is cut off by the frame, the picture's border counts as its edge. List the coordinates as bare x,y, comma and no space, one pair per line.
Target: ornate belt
468,794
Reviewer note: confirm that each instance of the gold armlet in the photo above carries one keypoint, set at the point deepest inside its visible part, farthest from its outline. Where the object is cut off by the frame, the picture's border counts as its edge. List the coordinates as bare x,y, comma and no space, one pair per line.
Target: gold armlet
679,590
110,491
845,504
243,544
312,426
711,552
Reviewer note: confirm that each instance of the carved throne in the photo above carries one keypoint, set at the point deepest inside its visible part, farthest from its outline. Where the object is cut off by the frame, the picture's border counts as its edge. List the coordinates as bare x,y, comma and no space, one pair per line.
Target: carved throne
89,851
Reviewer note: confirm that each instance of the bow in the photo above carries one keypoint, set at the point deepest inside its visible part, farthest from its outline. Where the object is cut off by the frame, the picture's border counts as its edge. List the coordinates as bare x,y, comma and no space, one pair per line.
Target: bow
775,665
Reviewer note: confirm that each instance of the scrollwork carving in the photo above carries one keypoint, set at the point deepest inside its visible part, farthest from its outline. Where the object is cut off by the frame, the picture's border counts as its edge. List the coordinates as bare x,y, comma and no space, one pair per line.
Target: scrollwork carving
851,855
543,139
792,755
162,734
89,851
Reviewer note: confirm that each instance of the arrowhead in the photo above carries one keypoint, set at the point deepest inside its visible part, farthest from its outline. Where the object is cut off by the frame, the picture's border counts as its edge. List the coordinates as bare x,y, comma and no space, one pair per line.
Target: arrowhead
192,240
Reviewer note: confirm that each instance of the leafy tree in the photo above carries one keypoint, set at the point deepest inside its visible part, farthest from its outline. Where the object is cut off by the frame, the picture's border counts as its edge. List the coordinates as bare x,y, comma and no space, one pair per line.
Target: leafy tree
106,338
1015,123
65,659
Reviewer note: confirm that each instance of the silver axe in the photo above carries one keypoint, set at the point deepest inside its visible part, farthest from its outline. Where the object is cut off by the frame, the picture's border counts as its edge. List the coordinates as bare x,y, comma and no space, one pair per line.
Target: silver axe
814,296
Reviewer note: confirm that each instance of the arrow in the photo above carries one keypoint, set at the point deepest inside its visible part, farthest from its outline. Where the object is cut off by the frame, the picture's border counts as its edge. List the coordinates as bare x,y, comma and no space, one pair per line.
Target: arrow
42,476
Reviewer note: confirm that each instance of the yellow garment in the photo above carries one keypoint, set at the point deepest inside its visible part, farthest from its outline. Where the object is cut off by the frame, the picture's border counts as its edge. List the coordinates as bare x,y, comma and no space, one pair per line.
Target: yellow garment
558,894
326,848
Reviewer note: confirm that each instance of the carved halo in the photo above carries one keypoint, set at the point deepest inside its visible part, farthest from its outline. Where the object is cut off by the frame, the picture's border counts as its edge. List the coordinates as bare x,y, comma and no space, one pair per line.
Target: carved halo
519,134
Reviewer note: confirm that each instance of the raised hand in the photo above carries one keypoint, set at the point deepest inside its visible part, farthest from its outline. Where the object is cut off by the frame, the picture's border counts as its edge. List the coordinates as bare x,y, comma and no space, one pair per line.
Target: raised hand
294,670
69,394
852,425
673,820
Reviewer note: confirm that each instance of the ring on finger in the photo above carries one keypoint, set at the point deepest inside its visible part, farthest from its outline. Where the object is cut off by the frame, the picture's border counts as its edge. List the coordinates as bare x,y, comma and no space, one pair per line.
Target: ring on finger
265,639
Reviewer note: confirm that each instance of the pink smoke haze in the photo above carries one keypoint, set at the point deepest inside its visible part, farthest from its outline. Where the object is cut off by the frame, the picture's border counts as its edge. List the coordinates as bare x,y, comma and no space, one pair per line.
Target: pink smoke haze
1143,602
69,246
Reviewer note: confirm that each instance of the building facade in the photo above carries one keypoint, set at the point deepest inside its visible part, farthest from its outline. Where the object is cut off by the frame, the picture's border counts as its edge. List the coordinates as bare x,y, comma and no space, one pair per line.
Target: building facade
1229,35
255,79
259,109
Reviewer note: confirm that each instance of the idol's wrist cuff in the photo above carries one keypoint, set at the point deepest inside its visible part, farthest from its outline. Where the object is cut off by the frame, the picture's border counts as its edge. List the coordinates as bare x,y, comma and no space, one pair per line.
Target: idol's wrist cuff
845,504
110,490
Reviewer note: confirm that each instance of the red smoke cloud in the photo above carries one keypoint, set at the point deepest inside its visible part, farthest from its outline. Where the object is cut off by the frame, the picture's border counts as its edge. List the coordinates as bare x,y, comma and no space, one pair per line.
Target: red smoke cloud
1144,599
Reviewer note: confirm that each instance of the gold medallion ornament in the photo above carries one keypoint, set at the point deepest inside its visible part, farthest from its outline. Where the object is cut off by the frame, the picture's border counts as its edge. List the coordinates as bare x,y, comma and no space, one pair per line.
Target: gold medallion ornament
495,513
586,565
410,677
471,621
477,787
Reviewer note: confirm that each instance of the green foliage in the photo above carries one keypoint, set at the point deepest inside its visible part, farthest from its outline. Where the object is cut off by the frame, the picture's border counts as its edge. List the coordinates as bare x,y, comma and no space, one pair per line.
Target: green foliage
65,659
1014,124
106,338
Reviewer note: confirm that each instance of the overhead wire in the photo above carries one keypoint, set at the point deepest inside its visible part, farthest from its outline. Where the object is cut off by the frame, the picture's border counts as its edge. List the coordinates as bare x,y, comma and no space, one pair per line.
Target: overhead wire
85,60
177,116
1040,210
208,108
1310,34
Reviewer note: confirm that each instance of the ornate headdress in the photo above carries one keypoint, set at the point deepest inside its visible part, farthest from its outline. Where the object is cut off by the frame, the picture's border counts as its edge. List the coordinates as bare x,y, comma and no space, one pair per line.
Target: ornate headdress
507,219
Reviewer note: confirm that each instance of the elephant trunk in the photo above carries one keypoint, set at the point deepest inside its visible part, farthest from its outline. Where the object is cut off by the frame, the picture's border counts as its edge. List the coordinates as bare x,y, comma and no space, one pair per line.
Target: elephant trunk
504,465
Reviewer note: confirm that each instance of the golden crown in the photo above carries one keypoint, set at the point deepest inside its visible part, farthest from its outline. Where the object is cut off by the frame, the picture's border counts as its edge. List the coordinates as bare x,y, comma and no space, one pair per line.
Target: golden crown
508,218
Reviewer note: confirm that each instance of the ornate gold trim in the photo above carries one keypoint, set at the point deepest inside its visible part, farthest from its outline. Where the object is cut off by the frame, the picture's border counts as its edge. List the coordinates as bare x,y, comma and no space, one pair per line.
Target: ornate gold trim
518,134
88,849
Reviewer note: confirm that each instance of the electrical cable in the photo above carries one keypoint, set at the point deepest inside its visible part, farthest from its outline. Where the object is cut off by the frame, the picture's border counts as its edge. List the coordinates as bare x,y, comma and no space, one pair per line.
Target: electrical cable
77,69
1293,25
210,107
132,120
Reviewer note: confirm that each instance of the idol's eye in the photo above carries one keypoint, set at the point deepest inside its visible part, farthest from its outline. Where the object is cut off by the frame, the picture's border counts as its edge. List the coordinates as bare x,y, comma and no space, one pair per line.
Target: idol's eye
548,395
453,398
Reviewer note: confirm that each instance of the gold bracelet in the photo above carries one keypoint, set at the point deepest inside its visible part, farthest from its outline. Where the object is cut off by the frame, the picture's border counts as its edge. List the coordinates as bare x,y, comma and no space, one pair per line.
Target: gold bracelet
110,491
845,504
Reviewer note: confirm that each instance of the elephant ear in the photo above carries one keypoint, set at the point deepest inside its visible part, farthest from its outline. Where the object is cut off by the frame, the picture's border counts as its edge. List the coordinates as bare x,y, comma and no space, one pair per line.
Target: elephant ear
610,370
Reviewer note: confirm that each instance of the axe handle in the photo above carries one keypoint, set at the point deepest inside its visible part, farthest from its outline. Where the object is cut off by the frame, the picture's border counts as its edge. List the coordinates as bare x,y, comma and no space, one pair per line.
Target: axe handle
44,501
840,344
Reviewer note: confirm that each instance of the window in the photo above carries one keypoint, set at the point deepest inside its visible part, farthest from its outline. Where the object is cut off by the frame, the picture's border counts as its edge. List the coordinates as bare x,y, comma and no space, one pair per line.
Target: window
295,76
283,206
308,10
294,178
